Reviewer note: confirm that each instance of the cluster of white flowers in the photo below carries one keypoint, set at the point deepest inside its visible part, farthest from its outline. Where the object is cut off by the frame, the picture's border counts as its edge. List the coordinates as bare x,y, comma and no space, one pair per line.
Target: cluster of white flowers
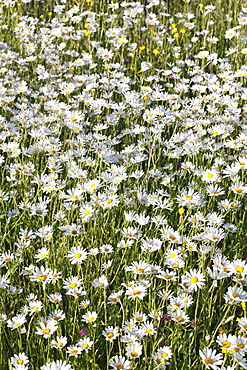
123,152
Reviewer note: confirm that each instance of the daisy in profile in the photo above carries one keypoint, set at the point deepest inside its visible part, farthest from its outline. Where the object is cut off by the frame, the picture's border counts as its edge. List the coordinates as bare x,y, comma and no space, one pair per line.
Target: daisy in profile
3,317
42,254
72,229
59,342
114,297
210,359
101,282
136,291
162,356
235,295
35,306
241,361
46,329
59,364
179,316
119,362
242,323
134,350
89,316
84,304
140,317
16,321
139,267
74,351
55,297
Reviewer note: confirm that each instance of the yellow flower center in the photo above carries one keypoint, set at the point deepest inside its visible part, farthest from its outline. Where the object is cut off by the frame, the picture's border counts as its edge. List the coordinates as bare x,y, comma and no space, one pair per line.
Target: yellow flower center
20,362
46,331
134,354
239,269
139,270
77,255
208,361
60,344
42,277
194,279
73,285
240,345
164,355
136,292
110,335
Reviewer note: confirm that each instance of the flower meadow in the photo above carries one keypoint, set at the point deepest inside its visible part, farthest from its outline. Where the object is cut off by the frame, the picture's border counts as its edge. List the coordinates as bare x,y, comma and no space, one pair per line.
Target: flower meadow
123,152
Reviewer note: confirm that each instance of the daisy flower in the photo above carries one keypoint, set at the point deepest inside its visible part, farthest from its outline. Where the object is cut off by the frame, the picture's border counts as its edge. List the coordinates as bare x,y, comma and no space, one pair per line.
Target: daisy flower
134,350
74,351
85,344
77,255
210,359
110,333
46,329
90,316
193,280
16,321
136,291
59,364
119,362
235,295
59,342
101,282
19,360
